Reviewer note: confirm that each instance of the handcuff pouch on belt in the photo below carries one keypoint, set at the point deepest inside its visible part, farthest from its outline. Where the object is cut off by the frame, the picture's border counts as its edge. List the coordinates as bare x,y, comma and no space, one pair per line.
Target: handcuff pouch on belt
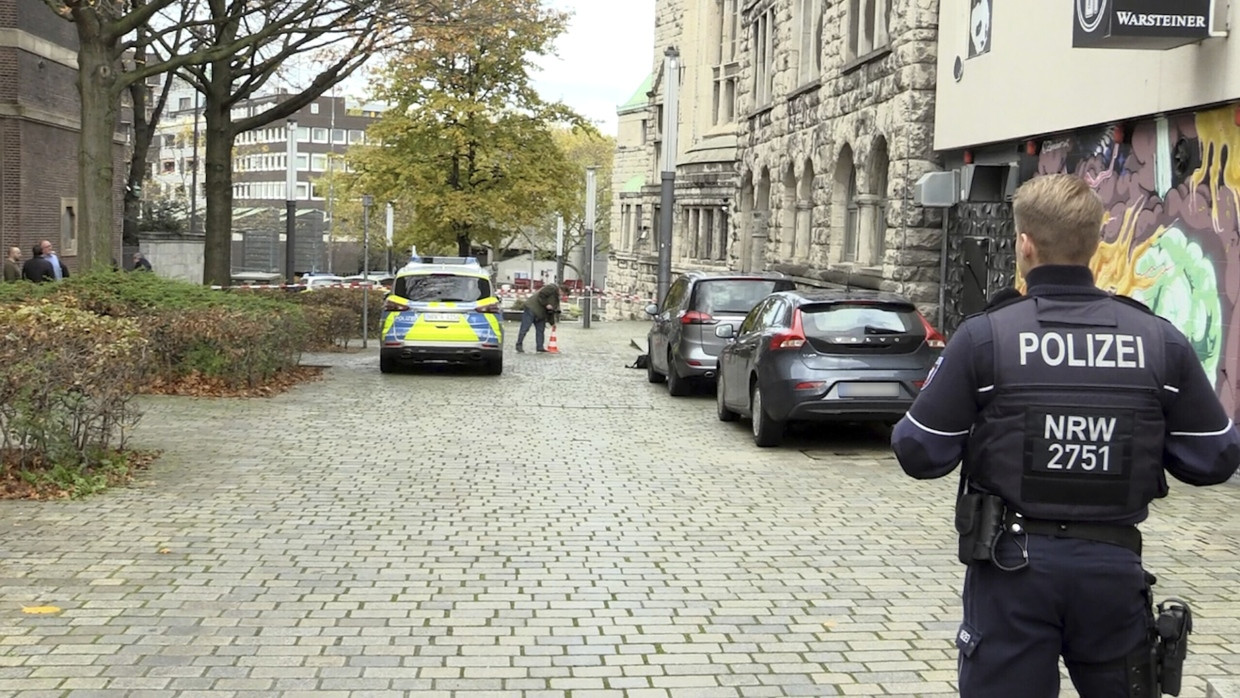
979,521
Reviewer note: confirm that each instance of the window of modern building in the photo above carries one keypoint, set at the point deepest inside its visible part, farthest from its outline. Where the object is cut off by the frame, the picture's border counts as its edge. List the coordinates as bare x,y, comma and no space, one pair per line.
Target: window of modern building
356,136
809,50
314,107
319,135
303,134
185,103
303,190
338,136
303,162
868,29
318,163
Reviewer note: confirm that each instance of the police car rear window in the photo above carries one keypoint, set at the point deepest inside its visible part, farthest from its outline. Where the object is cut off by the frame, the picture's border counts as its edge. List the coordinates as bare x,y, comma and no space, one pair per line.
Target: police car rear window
442,288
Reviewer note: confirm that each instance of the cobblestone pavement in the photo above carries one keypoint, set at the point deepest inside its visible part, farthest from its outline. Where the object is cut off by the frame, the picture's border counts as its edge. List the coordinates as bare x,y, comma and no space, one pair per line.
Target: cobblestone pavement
565,529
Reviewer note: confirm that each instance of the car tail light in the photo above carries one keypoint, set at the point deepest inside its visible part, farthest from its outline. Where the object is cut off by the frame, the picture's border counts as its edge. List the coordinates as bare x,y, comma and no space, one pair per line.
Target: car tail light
933,338
696,317
810,385
489,308
920,384
390,306
792,338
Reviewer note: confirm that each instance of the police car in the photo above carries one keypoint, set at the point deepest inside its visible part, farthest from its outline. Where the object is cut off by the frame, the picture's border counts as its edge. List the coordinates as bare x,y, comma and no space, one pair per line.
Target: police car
442,309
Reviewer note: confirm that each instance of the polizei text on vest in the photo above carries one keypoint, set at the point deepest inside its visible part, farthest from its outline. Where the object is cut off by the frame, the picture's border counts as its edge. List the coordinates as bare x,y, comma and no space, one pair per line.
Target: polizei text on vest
1090,350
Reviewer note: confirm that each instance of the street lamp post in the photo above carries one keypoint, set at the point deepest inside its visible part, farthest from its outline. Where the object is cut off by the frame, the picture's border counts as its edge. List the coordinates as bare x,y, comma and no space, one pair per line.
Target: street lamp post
391,230
290,183
367,202
591,194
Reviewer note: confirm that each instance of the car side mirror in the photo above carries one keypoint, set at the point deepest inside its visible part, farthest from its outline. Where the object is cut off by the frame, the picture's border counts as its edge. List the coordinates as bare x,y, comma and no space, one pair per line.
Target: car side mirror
725,332
652,309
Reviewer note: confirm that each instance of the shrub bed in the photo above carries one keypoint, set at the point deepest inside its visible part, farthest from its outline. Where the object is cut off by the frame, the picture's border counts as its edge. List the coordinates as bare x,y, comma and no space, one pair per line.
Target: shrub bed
333,315
68,378
197,336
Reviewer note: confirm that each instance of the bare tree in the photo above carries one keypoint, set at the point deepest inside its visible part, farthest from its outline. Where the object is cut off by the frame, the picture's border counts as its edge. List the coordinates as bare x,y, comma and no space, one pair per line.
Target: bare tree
340,35
107,31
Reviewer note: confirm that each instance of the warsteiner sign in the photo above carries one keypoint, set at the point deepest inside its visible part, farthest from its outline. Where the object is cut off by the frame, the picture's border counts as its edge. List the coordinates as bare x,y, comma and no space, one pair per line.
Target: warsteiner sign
1140,24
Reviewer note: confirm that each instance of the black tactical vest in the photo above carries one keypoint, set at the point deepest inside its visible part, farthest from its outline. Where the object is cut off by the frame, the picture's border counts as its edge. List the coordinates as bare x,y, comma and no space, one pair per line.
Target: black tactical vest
1072,428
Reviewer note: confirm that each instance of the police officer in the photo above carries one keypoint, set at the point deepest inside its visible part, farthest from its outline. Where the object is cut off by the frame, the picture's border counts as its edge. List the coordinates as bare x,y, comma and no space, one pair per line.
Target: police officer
1066,405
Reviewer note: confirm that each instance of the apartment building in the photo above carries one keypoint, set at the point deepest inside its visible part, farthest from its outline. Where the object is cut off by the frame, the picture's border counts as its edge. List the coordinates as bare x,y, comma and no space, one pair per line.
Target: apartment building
804,126
326,128
39,127
1139,98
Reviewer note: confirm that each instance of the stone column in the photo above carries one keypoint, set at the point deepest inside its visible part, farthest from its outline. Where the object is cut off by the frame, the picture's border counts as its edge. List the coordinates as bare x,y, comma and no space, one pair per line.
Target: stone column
759,232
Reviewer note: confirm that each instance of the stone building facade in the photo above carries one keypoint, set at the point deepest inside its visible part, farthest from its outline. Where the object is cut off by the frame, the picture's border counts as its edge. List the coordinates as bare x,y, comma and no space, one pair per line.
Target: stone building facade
805,125
39,126
707,35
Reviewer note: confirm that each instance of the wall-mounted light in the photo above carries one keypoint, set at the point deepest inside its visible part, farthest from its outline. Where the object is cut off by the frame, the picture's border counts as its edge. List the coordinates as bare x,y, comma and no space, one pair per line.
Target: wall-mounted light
968,157
1031,147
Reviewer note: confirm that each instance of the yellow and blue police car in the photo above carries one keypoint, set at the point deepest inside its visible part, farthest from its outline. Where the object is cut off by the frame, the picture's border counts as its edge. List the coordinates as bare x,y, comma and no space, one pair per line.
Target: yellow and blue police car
443,309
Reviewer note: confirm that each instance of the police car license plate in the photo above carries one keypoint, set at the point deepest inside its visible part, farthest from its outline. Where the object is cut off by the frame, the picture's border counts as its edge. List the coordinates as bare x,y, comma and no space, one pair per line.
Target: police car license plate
869,390
441,317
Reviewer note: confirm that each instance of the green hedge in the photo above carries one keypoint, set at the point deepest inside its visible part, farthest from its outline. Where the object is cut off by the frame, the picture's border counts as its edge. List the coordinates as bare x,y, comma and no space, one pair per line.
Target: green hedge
239,339
67,382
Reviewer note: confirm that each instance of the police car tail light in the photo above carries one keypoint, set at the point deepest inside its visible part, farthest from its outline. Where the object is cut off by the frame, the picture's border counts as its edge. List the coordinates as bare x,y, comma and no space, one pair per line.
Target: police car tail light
933,338
792,338
697,317
391,306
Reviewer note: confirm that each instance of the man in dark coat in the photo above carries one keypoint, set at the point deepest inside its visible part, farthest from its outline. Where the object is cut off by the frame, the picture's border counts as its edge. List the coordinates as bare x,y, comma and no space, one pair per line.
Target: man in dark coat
541,309
38,268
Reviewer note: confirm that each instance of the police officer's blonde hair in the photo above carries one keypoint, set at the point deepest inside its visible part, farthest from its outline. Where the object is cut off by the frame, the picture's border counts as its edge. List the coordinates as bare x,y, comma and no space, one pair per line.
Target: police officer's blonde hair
1062,215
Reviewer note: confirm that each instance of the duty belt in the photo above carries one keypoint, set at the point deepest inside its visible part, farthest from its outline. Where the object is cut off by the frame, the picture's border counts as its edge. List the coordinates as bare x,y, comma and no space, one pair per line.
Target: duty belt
1125,536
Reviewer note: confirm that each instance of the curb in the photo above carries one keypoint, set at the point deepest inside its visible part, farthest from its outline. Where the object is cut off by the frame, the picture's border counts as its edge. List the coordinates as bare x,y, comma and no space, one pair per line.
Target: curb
1223,688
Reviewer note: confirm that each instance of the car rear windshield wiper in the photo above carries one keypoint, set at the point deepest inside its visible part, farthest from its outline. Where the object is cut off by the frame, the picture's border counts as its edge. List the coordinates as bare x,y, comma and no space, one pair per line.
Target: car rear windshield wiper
870,329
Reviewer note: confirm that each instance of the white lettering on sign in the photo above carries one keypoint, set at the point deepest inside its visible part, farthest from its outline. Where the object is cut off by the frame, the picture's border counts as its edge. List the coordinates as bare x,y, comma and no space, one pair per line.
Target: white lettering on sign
1079,428
1145,19
1093,350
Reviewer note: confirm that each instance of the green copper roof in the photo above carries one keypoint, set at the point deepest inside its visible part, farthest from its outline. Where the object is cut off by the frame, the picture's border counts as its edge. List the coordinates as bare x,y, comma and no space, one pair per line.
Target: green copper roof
639,100
634,184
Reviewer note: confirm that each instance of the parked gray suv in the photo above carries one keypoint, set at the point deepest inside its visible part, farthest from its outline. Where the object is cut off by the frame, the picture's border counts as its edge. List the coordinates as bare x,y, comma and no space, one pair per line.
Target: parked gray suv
682,344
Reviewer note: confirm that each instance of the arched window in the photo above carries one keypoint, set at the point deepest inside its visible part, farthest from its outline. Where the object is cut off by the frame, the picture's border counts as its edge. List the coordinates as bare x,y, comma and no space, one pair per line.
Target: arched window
844,208
787,237
879,164
805,211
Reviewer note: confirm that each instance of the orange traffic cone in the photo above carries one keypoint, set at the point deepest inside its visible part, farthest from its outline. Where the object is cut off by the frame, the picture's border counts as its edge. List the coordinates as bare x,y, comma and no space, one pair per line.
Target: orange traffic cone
552,346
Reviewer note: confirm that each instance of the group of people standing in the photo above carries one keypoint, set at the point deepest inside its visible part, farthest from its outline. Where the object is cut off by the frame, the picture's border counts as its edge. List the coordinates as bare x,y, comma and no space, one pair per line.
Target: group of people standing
45,265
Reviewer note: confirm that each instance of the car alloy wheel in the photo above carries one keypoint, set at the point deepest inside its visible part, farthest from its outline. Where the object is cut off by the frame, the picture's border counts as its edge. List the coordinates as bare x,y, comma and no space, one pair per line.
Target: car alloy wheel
766,431
676,386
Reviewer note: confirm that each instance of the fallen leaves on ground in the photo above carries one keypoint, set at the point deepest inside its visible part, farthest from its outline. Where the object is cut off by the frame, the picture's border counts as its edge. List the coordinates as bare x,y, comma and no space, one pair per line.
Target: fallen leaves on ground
17,483
198,385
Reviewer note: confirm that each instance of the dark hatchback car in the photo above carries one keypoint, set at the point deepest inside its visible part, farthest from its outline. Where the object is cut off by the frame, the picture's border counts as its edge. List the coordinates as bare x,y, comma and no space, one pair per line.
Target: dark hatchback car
682,342
824,355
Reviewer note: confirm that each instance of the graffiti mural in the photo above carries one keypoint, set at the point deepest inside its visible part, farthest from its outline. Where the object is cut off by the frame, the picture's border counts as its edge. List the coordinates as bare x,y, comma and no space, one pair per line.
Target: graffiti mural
1170,236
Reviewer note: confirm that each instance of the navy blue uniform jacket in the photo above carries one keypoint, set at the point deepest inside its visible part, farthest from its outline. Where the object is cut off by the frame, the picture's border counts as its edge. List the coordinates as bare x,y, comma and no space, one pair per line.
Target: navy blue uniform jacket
1202,444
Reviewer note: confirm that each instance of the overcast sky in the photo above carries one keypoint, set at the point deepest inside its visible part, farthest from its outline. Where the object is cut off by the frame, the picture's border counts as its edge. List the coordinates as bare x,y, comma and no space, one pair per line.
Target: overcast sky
602,59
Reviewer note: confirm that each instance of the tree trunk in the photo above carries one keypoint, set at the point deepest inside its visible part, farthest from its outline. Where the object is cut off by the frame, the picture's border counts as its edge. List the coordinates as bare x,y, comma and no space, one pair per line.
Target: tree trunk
219,135
96,207
142,134
463,246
